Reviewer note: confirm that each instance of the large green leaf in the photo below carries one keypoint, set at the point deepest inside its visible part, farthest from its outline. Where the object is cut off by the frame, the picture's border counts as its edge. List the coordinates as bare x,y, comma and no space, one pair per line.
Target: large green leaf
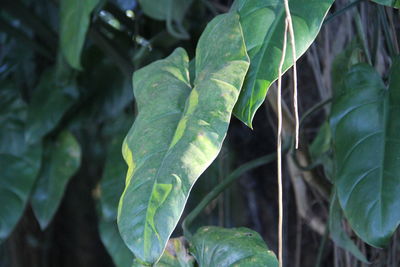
338,234
221,247
392,3
61,159
178,133
74,23
263,23
366,135
50,101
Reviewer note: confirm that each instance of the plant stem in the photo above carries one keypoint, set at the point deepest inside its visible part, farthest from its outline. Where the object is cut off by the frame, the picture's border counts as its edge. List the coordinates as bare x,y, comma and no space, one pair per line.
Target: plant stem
232,177
313,109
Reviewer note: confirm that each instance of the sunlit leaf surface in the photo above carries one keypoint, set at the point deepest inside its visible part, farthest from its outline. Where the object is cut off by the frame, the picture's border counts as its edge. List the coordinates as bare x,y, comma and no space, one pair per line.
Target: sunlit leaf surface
178,132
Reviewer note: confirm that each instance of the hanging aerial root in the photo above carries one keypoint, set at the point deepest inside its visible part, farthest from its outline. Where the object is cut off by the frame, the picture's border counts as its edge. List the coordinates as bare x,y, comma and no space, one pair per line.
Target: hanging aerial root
279,149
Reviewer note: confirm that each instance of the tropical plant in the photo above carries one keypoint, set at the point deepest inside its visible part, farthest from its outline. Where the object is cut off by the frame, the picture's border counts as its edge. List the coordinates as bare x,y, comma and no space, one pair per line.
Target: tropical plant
148,171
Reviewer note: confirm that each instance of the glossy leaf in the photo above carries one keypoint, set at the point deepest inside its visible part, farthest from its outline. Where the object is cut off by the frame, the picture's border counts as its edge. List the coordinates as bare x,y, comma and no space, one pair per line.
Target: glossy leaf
74,23
221,247
120,254
263,23
365,130
178,133
392,3
60,161
49,103
338,234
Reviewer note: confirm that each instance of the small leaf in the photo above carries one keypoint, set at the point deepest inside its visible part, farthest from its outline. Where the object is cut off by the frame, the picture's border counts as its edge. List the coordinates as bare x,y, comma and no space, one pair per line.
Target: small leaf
61,160
221,247
366,136
49,103
263,23
322,142
172,142
75,18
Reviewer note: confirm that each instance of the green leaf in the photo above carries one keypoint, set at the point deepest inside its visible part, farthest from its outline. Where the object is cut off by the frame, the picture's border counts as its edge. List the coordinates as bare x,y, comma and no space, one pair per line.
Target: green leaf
392,3
112,182
61,160
365,130
74,23
49,102
241,247
111,188
342,63
172,142
16,182
321,149
322,142
120,254
172,11
338,234
12,120
19,162
263,23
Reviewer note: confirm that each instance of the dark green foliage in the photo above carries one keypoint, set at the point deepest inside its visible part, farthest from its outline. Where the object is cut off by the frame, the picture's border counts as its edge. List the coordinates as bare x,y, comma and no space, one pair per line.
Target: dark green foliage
67,105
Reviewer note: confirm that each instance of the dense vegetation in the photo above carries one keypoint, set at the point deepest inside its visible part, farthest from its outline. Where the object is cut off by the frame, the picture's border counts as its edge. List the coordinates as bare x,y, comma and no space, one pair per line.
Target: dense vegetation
177,165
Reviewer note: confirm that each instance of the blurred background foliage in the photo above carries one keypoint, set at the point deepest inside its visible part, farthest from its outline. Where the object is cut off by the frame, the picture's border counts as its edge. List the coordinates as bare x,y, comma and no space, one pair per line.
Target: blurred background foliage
66,103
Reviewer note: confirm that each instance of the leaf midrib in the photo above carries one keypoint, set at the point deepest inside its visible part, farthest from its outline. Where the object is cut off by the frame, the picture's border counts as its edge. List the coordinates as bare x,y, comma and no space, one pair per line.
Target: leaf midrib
279,10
